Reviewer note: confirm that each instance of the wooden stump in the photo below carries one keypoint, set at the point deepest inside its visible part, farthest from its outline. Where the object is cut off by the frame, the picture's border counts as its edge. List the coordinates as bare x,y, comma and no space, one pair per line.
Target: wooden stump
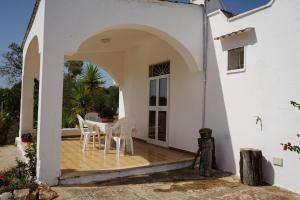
251,167
206,157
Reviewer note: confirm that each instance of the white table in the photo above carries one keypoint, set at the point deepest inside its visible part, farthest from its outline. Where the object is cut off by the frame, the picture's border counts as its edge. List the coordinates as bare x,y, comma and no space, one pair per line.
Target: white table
104,128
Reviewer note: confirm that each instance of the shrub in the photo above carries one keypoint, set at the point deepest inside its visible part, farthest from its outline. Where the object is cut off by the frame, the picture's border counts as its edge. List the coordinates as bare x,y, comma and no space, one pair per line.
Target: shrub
15,178
23,175
30,154
8,129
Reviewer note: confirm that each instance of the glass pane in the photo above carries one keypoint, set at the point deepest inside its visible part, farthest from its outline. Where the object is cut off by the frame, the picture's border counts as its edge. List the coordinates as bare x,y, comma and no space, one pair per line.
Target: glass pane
152,100
163,91
236,59
152,120
162,126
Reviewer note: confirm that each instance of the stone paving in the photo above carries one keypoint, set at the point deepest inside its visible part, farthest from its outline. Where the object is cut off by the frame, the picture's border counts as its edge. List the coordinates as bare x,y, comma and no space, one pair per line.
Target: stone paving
8,155
176,185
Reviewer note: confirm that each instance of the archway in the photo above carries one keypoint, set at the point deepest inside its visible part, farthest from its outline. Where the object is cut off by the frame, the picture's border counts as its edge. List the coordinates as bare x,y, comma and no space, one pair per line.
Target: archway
132,30
126,52
30,77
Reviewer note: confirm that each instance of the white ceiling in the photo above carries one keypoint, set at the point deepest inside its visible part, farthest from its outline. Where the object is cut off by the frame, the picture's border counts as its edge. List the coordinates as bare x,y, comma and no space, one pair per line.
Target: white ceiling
120,40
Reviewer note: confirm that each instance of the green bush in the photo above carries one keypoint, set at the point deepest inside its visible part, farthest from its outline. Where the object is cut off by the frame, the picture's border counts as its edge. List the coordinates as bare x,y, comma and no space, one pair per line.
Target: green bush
8,129
30,154
24,174
16,178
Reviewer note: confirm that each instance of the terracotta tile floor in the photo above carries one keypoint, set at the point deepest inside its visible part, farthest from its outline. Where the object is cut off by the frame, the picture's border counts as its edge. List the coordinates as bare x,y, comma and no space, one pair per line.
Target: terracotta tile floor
73,159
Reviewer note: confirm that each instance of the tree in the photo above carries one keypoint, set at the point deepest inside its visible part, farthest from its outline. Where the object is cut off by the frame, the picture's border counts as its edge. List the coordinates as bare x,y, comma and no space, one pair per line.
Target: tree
11,101
73,68
113,98
9,117
93,79
11,66
81,100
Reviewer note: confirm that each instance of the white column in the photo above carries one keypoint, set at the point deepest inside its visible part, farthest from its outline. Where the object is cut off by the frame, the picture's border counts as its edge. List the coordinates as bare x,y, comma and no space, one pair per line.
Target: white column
27,102
50,113
121,102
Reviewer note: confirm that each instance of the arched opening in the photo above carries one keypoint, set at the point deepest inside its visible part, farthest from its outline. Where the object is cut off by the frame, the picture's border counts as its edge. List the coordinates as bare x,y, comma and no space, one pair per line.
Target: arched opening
129,54
127,35
30,88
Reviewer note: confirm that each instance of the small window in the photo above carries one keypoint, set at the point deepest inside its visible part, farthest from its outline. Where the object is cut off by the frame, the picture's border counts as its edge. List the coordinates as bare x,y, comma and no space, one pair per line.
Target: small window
159,69
236,61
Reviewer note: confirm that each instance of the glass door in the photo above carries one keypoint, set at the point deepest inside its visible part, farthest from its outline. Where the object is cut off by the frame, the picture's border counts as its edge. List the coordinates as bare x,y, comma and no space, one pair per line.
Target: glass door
158,110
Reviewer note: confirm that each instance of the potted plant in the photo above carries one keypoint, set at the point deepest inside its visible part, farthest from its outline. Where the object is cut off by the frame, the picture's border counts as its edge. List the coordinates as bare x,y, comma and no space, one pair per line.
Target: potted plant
107,114
26,137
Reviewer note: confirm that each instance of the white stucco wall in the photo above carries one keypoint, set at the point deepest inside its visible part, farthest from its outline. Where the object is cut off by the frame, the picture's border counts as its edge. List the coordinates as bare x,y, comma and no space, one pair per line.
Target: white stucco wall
186,93
265,89
233,100
62,26
155,17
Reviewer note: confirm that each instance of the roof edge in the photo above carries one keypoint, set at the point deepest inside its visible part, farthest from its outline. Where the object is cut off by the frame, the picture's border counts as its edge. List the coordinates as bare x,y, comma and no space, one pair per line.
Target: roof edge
32,18
244,14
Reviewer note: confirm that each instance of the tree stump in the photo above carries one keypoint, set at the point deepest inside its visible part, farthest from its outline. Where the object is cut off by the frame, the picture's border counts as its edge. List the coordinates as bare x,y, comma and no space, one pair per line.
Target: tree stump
251,167
206,156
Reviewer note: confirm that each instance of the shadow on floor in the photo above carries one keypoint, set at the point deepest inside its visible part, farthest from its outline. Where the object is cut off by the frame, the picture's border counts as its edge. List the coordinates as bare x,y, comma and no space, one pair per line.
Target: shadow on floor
175,176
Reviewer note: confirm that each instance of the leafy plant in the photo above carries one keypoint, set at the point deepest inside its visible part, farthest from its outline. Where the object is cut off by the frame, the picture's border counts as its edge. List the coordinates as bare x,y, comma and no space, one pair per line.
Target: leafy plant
289,146
15,178
11,101
31,155
8,129
26,136
81,100
69,120
12,181
93,79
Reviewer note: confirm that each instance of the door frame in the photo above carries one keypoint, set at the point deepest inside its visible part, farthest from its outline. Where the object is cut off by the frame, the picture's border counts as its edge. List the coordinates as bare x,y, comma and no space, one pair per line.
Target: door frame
158,108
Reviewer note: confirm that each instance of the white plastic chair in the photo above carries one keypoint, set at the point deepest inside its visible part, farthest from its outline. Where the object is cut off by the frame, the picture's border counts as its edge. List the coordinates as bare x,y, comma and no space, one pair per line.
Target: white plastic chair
121,132
86,134
92,116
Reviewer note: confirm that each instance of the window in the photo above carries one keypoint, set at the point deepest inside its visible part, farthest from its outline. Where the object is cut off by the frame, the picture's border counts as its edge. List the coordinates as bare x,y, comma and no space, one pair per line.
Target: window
159,69
236,60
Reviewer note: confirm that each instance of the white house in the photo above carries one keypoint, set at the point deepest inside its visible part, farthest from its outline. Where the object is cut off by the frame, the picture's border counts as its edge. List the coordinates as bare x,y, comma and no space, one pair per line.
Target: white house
208,67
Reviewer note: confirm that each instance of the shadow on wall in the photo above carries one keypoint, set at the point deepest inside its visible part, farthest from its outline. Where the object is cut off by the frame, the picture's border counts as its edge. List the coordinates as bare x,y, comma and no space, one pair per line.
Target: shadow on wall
216,115
268,171
241,40
216,112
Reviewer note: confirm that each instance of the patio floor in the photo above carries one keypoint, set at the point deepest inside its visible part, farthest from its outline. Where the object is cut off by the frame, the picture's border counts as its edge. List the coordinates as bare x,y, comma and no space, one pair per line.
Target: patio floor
75,162
184,184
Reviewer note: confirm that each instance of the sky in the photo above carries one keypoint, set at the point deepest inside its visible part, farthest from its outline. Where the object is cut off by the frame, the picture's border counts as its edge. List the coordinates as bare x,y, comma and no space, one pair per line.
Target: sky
15,14
239,6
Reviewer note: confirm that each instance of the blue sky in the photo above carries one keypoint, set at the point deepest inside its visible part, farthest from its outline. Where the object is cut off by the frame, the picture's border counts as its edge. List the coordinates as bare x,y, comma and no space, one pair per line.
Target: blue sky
15,14
239,6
